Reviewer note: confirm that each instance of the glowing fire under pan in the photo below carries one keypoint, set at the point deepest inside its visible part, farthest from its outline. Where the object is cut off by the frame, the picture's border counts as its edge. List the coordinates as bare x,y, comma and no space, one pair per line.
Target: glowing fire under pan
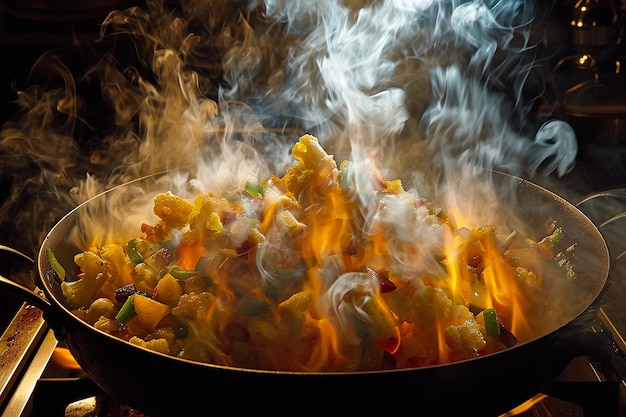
488,384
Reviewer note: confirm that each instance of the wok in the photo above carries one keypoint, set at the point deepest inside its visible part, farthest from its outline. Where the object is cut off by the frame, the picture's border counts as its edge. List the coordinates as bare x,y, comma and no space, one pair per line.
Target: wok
161,385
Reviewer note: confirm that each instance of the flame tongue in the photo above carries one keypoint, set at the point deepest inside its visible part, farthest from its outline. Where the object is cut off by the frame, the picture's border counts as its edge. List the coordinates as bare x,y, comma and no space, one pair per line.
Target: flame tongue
325,269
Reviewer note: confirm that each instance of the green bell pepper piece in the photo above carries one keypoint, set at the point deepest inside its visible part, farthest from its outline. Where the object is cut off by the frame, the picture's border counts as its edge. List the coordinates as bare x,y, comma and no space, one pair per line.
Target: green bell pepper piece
254,188
492,325
54,263
127,311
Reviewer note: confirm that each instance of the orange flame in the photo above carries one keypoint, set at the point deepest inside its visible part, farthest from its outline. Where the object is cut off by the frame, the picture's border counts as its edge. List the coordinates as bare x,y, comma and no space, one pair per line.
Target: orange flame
522,408
329,236
504,288
329,224
443,351
331,271
326,348
188,255
459,277
62,357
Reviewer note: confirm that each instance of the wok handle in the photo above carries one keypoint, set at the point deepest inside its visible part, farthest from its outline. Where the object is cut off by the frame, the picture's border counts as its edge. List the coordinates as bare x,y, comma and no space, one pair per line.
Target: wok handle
19,291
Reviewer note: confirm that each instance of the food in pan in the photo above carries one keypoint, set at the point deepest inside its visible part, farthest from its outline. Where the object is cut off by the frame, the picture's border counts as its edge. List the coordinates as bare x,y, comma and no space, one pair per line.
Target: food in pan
327,268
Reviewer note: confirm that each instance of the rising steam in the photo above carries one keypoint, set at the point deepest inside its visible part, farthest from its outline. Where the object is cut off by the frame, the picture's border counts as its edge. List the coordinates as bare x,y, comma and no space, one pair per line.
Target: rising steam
224,88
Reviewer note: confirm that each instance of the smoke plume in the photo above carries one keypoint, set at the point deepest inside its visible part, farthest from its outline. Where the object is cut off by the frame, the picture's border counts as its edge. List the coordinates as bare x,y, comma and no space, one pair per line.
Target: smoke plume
223,89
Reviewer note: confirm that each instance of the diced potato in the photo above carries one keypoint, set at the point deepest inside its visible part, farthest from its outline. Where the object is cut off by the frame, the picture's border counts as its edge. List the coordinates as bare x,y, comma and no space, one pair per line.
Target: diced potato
149,311
135,328
479,297
168,291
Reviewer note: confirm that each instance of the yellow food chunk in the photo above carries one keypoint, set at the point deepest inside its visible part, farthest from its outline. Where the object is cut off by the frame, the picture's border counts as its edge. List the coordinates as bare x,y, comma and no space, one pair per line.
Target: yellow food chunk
461,331
149,311
393,187
295,305
526,276
197,306
119,269
168,290
313,164
322,269
205,215
291,222
464,337
214,223
157,345
173,210
255,236
80,293
311,155
145,278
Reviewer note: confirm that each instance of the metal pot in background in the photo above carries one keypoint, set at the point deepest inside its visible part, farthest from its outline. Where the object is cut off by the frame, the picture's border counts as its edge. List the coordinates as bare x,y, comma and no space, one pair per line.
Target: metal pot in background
597,111
591,85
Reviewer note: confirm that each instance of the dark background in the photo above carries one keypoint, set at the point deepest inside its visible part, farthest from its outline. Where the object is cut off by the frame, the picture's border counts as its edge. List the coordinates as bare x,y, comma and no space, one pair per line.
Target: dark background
29,28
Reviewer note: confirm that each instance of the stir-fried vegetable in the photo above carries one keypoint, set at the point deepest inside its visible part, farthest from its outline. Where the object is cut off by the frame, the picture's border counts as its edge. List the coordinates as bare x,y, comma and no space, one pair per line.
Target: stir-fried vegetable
492,325
255,189
54,263
133,252
127,311
327,268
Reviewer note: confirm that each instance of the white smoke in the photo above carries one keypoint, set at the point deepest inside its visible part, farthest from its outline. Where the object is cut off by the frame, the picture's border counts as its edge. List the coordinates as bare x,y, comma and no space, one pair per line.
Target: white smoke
414,85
